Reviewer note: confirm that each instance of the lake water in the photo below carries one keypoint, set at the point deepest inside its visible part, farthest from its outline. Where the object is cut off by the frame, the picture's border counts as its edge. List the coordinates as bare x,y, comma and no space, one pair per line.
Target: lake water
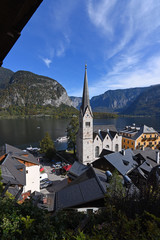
25,132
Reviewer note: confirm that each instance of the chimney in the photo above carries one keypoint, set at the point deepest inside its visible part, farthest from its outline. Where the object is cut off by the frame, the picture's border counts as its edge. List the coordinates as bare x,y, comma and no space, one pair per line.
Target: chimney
157,157
123,152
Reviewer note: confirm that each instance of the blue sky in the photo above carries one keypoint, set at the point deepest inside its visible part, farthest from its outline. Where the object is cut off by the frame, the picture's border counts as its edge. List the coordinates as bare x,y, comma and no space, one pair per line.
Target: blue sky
118,39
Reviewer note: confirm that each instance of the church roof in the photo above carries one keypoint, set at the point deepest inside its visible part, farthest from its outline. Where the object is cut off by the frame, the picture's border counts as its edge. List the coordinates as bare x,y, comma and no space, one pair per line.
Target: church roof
85,99
104,128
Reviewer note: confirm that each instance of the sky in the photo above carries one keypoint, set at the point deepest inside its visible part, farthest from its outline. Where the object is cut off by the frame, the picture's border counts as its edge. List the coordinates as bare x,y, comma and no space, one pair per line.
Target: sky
119,40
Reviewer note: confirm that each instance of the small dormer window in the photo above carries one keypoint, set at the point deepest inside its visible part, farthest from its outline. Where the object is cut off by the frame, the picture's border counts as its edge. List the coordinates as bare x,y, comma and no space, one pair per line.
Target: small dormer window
87,124
97,138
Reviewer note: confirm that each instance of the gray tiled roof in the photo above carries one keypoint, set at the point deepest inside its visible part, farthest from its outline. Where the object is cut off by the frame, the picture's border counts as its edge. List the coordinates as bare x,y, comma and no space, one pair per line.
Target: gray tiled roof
123,163
8,176
104,128
77,169
11,170
137,131
150,158
88,187
20,154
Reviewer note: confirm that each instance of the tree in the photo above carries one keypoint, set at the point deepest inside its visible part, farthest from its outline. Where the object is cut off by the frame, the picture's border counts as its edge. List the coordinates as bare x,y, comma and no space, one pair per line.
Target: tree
47,146
72,130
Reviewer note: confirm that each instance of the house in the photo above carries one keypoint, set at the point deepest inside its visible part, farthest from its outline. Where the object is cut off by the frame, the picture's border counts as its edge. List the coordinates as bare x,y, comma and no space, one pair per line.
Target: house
91,140
122,161
20,168
136,164
76,170
87,190
147,159
139,137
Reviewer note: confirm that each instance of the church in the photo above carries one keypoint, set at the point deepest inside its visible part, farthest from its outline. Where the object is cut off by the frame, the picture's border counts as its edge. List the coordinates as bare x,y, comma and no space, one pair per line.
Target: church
92,139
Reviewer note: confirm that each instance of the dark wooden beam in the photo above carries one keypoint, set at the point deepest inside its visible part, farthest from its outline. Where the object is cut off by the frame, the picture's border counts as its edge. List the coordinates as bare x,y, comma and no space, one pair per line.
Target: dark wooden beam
14,15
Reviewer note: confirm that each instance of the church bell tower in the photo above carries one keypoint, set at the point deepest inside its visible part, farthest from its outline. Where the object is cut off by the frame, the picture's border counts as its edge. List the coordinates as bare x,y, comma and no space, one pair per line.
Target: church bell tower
85,133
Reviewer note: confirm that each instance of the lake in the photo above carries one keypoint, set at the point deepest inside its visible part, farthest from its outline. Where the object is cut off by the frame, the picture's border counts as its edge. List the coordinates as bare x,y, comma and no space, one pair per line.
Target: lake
25,132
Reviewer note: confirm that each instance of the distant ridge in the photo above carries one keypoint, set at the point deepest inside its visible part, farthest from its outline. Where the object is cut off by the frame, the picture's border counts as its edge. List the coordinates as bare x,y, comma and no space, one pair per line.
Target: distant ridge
131,101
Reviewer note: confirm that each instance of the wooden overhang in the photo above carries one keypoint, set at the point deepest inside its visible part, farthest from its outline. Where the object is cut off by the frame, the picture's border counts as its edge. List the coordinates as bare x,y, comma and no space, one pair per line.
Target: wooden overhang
14,15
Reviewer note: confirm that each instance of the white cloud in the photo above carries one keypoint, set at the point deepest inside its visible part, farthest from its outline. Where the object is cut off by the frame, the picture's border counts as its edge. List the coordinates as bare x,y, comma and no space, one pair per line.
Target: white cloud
47,61
146,76
125,23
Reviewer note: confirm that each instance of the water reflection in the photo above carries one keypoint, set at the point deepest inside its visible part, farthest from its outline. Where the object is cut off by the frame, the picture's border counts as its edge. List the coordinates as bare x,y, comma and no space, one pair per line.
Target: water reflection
25,132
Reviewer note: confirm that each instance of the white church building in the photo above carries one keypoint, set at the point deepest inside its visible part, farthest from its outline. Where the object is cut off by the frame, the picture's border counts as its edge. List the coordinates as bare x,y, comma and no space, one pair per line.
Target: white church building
92,139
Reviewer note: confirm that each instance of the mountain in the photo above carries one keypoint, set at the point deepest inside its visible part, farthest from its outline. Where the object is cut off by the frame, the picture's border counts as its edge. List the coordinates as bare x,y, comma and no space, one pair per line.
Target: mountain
115,100
132,101
76,101
147,103
5,76
26,88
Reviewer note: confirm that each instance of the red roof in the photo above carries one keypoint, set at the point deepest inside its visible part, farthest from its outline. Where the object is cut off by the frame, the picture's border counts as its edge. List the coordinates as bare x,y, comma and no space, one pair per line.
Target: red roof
67,167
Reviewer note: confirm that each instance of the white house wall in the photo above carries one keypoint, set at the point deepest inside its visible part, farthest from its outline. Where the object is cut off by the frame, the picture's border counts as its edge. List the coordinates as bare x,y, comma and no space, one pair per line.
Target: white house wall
117,140
107,142
32,179
97,142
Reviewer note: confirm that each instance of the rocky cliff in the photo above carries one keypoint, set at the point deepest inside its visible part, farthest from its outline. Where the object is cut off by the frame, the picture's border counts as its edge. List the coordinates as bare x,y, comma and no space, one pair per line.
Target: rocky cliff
76,101
26,88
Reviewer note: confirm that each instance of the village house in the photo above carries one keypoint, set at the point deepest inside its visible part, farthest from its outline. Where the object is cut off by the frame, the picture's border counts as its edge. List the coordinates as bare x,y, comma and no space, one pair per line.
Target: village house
136,164
91,140
20,169
140,137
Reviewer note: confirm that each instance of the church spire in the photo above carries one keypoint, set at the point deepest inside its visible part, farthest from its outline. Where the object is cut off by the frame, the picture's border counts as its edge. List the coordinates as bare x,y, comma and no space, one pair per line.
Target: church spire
85,99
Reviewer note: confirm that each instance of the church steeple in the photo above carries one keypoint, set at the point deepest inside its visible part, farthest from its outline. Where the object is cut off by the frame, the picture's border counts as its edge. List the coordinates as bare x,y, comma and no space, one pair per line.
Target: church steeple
85,132
85,99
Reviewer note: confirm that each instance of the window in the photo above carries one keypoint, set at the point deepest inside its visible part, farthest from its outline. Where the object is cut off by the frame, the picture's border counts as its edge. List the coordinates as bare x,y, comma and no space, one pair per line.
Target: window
124,140
107,146
97,138
132,143
128,142
87,124
87,156
116,148
96,151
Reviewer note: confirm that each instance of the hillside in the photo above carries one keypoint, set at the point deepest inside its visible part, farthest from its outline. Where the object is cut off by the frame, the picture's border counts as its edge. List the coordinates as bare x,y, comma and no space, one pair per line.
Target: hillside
76,101
147,103
115,100
5,76
26,88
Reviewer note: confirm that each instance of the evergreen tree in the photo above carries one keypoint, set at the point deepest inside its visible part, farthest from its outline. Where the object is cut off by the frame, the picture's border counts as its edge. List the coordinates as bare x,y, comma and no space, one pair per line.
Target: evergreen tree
47,146
72,130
